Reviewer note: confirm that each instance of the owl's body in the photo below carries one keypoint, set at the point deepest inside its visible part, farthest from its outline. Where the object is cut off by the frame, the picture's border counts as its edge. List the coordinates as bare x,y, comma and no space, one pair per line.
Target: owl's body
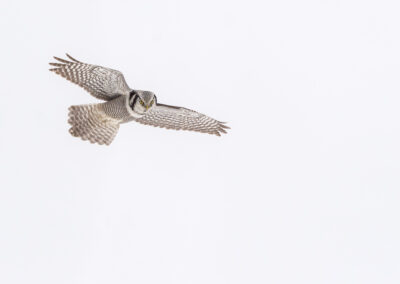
99,123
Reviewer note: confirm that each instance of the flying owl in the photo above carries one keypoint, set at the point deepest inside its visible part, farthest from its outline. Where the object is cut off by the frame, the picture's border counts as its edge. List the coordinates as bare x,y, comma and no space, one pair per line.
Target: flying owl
99,123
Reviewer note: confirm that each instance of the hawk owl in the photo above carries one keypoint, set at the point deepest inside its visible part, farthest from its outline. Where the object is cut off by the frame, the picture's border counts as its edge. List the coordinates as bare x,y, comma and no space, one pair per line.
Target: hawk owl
99,123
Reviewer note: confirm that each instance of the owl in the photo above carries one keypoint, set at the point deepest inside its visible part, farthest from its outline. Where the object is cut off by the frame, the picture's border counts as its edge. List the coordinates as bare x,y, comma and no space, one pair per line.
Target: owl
99,123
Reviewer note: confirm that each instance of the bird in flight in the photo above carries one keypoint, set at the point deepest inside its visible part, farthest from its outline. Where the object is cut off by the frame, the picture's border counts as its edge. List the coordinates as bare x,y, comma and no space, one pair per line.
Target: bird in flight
99,123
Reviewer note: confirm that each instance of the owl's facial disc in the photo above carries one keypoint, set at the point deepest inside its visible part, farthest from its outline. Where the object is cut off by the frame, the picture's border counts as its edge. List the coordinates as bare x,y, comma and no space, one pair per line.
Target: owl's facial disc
142,101
146,100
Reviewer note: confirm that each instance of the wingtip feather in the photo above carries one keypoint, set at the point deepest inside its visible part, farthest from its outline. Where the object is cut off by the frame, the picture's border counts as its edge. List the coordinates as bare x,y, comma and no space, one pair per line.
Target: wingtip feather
73,59
61,60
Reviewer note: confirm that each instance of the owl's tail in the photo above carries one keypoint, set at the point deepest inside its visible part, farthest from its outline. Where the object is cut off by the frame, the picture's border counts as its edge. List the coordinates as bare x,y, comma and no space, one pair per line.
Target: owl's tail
89,122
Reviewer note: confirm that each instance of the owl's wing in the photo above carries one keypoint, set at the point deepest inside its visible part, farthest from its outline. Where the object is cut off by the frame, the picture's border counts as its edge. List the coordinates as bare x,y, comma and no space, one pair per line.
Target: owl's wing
179,118
91,122
102,83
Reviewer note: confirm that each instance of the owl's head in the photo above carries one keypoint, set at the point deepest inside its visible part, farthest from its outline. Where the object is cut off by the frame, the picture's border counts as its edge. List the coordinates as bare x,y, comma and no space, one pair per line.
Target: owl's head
143,101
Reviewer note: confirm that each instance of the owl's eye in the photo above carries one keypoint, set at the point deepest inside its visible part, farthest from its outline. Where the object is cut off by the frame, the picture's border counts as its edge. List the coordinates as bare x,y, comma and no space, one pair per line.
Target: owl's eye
152,102
141,102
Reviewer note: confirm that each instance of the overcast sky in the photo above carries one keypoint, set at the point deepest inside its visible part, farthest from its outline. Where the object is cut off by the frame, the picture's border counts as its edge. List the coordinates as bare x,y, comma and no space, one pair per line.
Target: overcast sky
305,187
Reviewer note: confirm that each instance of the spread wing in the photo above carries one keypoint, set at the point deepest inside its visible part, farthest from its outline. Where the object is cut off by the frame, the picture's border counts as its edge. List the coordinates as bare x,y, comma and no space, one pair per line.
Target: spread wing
179,118
102,83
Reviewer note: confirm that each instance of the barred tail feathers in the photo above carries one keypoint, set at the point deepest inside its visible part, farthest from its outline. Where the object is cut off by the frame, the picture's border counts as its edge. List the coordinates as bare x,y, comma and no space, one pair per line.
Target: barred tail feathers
89,122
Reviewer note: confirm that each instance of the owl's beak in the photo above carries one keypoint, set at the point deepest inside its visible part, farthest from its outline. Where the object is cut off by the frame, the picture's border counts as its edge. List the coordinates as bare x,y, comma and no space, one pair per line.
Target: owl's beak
147,107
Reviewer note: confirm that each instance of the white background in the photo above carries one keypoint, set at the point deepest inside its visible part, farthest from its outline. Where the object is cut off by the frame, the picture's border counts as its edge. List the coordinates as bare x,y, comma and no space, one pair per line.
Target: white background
304,189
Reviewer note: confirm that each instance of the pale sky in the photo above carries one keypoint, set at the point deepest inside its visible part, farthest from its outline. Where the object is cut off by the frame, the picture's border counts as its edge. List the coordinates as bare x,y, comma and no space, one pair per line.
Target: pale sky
304,188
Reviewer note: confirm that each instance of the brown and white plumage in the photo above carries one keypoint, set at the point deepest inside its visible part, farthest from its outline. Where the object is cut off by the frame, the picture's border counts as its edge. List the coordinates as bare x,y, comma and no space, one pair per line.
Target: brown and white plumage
179,118
99,123
103,83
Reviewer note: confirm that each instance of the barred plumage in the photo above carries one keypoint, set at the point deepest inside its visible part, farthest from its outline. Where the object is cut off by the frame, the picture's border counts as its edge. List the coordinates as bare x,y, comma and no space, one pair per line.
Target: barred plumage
180,118
103,83
99,123
91,123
